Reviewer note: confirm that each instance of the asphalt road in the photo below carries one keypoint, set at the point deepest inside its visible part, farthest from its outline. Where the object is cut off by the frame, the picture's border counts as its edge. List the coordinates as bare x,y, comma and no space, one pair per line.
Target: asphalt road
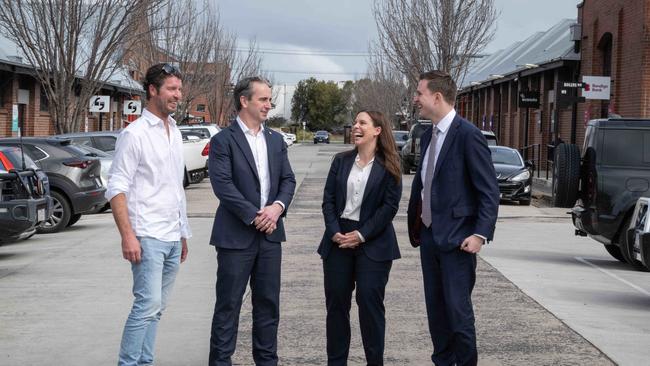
543,296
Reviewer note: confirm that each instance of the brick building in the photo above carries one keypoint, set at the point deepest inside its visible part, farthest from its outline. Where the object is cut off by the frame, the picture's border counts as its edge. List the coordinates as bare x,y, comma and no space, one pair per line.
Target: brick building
608,38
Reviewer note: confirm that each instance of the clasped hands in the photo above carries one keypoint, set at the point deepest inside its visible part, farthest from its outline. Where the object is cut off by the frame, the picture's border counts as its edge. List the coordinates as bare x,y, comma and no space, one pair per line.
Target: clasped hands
267,218
349,240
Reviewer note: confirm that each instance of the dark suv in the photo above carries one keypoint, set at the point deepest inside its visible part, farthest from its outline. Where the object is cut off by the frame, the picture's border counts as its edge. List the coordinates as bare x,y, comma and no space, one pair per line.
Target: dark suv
24,195
75,179
613,173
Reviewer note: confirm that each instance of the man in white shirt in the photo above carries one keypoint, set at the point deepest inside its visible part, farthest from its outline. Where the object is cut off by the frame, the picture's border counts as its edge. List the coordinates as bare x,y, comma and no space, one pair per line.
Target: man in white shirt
145,189
251,175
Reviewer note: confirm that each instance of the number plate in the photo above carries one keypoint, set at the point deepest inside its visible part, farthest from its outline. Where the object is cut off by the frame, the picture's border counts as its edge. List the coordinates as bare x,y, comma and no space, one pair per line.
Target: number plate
40,215
98,182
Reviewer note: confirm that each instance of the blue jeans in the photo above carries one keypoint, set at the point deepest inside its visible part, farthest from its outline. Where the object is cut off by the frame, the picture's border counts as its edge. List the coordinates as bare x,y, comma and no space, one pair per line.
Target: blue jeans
153,279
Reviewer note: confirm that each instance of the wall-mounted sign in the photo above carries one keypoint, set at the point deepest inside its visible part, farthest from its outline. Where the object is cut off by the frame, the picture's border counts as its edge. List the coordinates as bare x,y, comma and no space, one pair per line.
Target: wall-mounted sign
100,103
14,118
596,87
132,107
529,99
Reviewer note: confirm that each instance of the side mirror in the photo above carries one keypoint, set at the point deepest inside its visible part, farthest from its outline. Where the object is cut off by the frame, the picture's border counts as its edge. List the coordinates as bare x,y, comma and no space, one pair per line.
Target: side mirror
530,164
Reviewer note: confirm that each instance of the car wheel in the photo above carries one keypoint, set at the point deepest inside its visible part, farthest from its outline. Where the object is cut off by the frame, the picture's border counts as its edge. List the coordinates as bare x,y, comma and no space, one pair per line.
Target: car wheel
626,247
186,180
61,212
566,175
615,252
73,219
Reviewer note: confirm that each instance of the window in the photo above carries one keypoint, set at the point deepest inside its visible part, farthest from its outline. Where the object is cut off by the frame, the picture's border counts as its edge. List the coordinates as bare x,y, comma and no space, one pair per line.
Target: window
105,143
200,107
626,148
45,103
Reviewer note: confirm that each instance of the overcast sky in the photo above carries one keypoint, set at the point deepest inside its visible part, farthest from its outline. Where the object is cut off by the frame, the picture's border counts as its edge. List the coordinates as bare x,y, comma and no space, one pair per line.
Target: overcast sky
293,35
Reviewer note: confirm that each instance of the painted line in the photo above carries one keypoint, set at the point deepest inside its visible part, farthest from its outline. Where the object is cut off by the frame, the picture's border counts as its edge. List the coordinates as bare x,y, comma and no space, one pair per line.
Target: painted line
612,275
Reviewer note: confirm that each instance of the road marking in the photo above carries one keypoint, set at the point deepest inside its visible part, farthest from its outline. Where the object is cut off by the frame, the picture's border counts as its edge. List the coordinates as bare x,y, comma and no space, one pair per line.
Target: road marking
610,274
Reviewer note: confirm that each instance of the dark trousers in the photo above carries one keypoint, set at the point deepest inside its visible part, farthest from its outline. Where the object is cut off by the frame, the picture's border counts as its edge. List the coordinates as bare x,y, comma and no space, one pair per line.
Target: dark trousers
343,269
261,263
448,283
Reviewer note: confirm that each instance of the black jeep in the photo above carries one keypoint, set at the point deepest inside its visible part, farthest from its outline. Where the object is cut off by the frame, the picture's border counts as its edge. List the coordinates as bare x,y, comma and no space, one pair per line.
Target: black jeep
603,186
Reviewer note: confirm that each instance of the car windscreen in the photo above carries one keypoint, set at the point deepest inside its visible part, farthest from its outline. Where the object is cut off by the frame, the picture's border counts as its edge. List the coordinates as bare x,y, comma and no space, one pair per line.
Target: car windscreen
506,156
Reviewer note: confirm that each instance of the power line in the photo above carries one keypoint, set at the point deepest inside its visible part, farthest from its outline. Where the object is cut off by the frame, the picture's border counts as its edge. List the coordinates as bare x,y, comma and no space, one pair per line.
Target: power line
314,72
306,53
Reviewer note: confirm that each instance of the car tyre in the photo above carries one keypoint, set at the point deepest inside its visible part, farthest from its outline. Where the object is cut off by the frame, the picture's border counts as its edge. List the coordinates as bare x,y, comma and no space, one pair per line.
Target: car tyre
626,247
615,252
566,175
61,212
73,219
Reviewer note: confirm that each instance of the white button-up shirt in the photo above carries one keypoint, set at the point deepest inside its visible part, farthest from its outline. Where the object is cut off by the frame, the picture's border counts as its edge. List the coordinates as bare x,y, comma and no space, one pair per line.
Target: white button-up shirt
356,186
443,128
257,143
148,168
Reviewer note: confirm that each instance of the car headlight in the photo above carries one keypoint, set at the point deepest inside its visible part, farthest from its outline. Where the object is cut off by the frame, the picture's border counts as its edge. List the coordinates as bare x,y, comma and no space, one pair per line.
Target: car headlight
521,176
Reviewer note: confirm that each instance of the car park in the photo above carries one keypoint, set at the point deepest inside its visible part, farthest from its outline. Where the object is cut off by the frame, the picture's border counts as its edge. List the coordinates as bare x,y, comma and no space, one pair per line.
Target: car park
75,179
513,174
25,200
322,136
400,138
603,182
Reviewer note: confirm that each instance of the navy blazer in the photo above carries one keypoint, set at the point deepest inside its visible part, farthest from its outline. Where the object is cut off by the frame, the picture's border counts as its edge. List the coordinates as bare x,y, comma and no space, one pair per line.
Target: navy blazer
234,179
378,208
464,191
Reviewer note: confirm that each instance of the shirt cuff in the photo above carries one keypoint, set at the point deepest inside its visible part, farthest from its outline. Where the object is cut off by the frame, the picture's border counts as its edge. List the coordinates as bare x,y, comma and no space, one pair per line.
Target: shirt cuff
281,204
363,240
482,237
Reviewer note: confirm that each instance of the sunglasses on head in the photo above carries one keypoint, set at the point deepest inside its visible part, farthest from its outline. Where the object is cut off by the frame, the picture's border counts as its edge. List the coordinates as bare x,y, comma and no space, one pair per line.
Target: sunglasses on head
170,69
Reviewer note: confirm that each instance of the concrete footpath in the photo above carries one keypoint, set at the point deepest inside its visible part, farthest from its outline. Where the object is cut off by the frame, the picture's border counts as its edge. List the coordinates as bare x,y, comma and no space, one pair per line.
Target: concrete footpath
65,296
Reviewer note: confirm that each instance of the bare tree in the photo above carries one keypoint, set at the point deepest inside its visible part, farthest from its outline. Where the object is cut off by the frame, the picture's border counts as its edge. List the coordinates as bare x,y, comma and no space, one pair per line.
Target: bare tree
421,35
73,46
383,90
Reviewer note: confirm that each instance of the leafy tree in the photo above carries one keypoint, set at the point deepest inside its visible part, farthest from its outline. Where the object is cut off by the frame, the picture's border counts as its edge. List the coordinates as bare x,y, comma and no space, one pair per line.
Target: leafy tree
276,121
319,103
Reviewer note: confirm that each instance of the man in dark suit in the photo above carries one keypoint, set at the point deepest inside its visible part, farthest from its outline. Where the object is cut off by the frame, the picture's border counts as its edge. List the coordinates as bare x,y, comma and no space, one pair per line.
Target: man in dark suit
251,175
452,212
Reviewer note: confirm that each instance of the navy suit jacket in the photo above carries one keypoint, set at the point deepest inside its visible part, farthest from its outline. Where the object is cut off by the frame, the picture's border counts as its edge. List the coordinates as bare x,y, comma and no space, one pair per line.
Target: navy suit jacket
234,179
378,208
464,191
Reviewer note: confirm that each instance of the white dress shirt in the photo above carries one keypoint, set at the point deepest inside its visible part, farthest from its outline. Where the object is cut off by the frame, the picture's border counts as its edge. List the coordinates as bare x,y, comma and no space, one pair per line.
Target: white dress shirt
257,143
356,187
148,167
443,128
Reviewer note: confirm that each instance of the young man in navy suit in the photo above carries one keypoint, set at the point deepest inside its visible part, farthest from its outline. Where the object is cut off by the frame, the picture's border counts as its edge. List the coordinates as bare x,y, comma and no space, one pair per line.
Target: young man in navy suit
452,212
251,176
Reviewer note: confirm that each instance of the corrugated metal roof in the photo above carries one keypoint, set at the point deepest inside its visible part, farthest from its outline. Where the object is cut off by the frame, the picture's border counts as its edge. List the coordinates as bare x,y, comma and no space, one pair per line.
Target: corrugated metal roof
540,48
11,54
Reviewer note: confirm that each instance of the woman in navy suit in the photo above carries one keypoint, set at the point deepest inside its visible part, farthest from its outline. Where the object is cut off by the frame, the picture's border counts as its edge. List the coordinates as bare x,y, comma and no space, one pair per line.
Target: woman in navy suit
359,245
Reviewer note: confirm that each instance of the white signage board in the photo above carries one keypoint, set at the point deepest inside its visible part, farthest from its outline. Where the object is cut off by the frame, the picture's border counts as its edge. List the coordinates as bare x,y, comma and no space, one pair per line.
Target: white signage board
596,87
100,103
132,107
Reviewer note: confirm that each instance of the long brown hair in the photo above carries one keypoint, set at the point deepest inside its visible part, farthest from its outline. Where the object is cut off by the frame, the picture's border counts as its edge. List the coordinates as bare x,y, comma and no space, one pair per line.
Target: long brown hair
386,149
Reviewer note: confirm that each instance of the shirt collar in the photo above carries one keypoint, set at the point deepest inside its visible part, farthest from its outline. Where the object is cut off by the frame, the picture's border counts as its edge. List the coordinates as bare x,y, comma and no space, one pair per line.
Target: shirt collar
245,128
446,121
357,159
154,120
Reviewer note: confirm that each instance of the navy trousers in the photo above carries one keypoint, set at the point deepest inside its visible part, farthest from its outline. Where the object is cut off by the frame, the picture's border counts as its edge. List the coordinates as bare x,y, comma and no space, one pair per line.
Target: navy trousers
345,269
261,264
449,279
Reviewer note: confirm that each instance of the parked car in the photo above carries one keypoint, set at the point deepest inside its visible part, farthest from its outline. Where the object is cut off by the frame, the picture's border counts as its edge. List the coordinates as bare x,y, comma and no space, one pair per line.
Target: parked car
513,174
75,179
102,140
604,186
639,232
322,136
106,159
206,130
195,156
410,152
25,200
289,138
400,138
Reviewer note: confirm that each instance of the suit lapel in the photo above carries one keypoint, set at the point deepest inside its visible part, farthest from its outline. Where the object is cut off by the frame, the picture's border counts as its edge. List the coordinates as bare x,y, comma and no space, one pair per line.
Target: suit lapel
241,141
343,181
374,179
449,140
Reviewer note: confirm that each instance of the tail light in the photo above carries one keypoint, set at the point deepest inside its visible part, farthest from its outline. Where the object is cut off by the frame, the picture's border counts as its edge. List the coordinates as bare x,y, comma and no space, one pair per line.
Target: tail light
206,150
81,164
